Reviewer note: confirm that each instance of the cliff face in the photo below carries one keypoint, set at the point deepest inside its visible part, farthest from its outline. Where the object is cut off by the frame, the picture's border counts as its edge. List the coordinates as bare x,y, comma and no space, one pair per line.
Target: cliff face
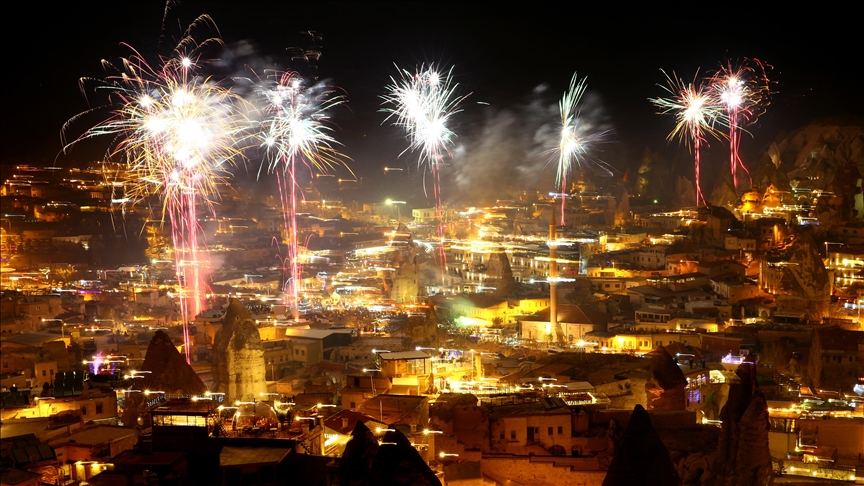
816,153
826,155
641,457
169,372
238,357
665,387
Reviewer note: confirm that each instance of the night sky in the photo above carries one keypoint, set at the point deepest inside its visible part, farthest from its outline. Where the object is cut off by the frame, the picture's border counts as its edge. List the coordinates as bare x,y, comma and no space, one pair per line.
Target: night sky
518,60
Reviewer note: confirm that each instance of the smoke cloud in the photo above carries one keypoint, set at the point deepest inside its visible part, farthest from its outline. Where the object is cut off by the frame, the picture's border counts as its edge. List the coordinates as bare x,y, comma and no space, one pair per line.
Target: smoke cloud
512,149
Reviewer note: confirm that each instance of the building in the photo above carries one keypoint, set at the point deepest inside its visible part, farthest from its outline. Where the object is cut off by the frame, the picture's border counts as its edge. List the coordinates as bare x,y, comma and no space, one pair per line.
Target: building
517,428
575,323
408,370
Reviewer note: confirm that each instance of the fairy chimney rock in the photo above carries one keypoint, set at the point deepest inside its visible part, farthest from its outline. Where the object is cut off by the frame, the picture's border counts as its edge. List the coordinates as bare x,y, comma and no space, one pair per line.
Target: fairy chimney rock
666,385
238,356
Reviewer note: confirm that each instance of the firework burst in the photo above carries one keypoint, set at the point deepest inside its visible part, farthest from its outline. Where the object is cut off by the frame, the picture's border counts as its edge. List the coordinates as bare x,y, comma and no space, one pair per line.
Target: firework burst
577,138
174,133
697,112
743,91
294,132
422,103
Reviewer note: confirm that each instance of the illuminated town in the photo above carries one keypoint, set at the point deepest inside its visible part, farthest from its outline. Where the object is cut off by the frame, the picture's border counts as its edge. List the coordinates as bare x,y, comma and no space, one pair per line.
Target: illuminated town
226,293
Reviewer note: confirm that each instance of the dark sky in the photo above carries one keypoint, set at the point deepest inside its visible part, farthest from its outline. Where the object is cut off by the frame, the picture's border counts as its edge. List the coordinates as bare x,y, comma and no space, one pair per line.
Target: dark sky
499,53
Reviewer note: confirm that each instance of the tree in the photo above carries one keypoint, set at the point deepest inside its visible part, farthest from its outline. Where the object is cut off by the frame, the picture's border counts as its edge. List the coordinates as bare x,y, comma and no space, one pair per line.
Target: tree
774,354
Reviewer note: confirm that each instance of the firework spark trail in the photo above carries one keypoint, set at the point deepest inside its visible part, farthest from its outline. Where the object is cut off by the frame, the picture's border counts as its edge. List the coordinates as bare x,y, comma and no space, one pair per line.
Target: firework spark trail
422,104
576,138
697,111
743,91
175,132
295,131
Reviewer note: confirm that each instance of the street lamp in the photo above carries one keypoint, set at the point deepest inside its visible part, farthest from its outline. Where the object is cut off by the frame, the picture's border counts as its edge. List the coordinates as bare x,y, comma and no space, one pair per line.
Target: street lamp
371,378
391,202
62,326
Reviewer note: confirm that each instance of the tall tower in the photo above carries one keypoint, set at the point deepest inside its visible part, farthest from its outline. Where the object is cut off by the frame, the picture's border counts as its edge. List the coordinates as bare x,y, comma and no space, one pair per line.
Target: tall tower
553,279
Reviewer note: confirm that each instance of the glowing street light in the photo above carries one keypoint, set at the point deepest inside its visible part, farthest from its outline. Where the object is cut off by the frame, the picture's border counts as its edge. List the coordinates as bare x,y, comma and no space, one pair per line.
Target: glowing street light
427,432
62,326
391,202
379,430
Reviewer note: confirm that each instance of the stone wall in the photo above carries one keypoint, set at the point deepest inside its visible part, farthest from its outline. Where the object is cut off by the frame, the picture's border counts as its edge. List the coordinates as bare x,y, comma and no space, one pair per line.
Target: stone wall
624,394
660,419
533,470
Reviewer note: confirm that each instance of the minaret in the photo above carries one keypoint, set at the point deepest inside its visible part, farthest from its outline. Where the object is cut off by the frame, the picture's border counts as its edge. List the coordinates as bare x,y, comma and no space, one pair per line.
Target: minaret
553,278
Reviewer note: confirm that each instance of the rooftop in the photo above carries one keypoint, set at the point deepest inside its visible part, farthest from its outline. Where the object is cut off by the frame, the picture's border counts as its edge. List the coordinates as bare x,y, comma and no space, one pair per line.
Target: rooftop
242,456
96,435
404,355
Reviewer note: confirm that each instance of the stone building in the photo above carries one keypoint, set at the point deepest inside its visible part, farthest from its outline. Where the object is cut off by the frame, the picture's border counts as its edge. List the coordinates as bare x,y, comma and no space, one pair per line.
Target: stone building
238,356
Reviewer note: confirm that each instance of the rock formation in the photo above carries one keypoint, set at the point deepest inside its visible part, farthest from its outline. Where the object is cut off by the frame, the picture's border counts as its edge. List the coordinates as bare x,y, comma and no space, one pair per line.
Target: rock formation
847,190
394,462
398,462
743,456
500,274
724,194
816,153
665,386
805,285
685,192
238,357
652,181
358,456
751,202
168,372
641,457
405,285
622,206
826,154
